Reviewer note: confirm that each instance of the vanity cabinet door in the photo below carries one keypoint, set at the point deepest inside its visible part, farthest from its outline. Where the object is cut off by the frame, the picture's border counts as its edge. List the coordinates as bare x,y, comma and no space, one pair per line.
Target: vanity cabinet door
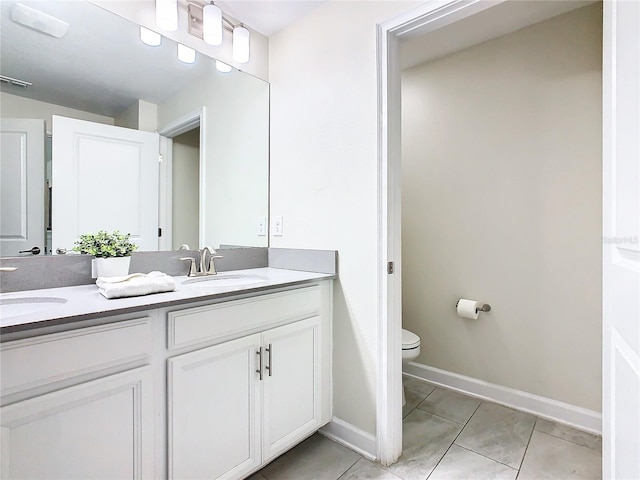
291,395
101,429
214,411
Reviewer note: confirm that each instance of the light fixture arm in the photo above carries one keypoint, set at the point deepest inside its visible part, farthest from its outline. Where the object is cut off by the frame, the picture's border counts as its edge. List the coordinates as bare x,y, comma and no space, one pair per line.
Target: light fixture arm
227,24
195,20
201,14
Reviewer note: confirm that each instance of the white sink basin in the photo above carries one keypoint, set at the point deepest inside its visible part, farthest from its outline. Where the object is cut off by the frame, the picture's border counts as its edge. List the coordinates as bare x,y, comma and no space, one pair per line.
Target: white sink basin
221,280
13,307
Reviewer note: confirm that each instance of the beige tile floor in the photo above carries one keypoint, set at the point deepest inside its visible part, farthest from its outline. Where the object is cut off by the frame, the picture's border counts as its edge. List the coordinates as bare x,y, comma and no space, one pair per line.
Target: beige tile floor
447,435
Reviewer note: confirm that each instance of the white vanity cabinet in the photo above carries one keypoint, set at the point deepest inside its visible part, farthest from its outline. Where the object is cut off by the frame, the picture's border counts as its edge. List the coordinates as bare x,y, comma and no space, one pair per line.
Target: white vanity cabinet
212,388
78,404
236,405
291,391
214,411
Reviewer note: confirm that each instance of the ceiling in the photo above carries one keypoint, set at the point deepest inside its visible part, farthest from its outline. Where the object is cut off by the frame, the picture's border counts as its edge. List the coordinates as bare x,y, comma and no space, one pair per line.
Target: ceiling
96,70
268,16
420,47
92,68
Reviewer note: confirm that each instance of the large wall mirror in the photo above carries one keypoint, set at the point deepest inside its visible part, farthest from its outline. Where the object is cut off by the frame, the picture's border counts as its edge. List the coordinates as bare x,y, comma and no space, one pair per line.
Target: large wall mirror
211,130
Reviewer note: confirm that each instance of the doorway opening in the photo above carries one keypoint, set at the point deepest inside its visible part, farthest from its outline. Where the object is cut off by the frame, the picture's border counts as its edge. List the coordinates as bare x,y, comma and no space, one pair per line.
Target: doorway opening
468,24
182,173
185,189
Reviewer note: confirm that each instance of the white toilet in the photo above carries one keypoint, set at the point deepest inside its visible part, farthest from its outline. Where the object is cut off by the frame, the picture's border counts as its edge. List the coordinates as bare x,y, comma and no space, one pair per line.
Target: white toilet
410,350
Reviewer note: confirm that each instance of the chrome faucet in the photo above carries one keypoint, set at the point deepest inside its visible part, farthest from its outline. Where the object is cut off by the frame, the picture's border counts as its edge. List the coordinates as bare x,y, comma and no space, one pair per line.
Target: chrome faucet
211,268
8,269
204,269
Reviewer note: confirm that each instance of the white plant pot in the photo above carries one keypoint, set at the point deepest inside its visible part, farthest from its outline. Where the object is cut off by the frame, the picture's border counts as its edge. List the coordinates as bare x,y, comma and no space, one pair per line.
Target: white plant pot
110,267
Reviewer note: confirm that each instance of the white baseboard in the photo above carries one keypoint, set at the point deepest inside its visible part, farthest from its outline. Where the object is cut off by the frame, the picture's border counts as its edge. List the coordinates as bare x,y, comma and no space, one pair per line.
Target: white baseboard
578,417
351,437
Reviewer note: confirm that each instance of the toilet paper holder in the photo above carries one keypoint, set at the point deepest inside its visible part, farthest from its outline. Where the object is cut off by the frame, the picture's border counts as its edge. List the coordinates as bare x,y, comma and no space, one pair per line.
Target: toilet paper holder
481,308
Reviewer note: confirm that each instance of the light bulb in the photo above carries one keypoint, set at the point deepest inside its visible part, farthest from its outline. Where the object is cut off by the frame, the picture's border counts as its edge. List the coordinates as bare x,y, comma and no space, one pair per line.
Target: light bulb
241,44
222,67
212,24
167,14
149,37
186,54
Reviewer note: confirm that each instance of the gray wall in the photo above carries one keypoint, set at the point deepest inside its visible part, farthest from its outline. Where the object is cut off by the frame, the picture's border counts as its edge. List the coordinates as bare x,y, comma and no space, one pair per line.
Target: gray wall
502,203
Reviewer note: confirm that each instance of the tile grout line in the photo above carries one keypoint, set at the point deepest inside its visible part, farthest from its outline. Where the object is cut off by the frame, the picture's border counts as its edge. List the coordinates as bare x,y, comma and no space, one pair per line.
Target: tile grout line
527,447
453,441
567,440
349,468
421,400
488,458
386,469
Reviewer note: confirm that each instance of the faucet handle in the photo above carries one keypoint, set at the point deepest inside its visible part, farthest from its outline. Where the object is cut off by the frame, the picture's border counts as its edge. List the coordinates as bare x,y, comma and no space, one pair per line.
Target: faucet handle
212,267
8,269
192,266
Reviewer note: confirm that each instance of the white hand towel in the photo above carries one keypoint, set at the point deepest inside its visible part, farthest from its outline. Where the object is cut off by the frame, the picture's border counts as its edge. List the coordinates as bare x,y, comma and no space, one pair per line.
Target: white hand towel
135,284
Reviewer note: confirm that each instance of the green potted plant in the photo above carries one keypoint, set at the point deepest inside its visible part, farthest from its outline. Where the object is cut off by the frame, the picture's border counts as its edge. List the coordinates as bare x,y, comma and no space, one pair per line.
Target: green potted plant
112,252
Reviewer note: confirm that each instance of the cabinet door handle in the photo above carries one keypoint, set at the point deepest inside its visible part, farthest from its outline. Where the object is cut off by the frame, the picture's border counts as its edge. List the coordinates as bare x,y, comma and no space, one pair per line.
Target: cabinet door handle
259,371
269,366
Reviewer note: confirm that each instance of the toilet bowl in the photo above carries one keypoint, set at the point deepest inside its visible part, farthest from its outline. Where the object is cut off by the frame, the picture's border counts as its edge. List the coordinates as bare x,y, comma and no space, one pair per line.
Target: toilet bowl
410,350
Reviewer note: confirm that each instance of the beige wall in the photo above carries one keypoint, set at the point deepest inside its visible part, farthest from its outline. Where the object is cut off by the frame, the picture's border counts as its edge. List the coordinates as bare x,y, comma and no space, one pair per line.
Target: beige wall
236,133
140,115
13,106
502,203
322,71
185,183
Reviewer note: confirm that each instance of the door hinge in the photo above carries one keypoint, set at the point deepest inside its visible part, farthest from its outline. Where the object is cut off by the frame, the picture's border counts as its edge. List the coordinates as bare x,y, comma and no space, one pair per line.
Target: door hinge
390,268
159,232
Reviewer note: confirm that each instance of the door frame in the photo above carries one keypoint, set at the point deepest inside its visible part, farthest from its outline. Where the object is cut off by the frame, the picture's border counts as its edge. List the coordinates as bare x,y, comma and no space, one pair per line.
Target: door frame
423,19
185,123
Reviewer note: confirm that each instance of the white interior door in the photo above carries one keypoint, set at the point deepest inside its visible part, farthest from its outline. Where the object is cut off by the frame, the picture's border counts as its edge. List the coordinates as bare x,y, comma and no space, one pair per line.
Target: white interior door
21,185
621,269
104,178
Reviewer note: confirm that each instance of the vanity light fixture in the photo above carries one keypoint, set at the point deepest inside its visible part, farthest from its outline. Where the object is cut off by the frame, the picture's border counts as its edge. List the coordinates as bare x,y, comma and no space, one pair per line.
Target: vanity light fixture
167,14
223,67
208,23
186,54
149,37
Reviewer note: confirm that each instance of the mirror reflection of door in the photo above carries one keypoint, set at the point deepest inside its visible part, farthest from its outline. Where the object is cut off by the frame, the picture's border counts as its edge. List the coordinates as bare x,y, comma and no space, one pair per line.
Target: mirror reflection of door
185,173
104,178
22,185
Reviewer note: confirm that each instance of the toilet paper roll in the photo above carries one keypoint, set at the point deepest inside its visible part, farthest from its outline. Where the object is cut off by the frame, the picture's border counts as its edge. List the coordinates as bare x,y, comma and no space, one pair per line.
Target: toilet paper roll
468,308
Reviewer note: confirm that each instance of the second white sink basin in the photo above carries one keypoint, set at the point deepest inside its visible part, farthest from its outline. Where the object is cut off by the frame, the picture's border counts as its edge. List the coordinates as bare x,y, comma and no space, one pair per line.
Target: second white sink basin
13,307
222,280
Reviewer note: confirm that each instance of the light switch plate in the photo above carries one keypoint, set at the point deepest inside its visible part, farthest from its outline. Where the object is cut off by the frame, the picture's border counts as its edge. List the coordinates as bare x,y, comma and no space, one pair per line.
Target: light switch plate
277,226
262,226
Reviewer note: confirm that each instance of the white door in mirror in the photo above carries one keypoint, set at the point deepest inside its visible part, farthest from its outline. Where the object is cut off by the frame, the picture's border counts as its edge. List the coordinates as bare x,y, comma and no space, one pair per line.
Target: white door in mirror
23,187
104,178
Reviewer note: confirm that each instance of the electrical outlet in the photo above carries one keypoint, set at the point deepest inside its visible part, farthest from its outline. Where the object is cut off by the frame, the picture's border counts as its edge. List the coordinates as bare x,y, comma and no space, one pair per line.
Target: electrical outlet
277,226
262,226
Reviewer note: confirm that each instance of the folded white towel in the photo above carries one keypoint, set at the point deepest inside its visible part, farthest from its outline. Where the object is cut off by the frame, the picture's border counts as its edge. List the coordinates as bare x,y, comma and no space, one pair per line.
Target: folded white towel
135,284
